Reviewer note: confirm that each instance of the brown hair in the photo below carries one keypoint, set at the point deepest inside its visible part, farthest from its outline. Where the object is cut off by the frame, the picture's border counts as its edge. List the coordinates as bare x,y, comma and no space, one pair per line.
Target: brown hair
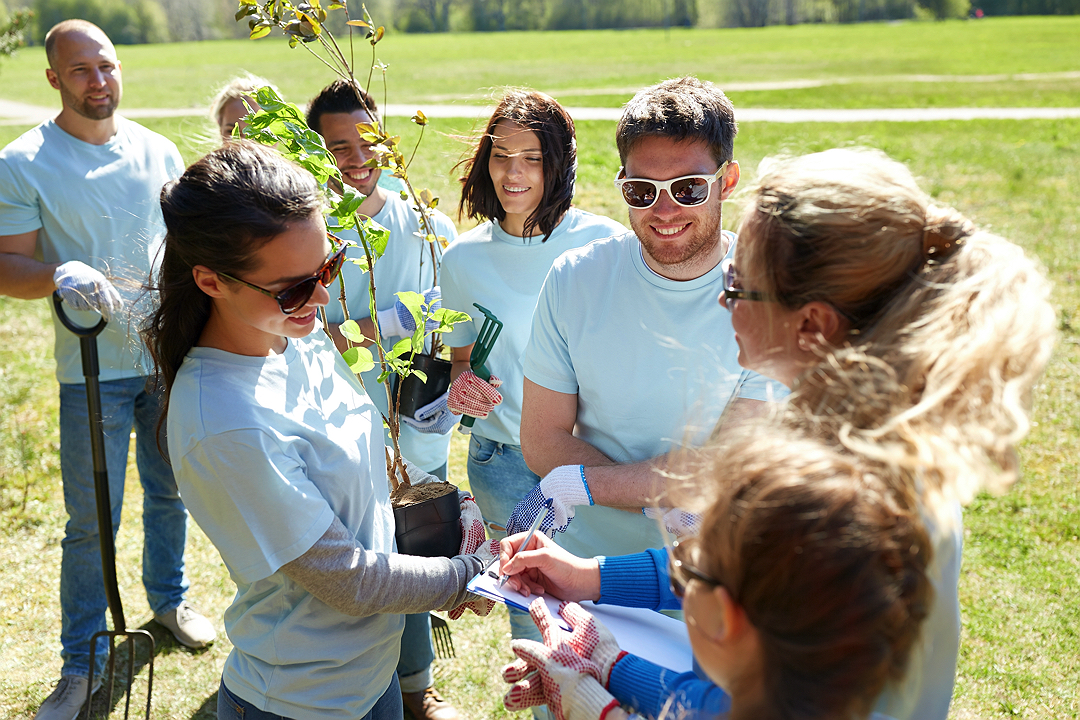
684,110
218,214
950,325
554,127
340,96
828,564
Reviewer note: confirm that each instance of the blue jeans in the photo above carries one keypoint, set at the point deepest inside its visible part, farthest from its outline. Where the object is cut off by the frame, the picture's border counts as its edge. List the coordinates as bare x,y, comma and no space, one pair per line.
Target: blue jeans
417,653
499,479
230,707
125,404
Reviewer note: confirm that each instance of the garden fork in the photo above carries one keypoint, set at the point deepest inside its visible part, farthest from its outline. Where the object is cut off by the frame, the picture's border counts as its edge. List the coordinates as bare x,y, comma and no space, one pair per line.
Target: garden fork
489,333
440,635
88,350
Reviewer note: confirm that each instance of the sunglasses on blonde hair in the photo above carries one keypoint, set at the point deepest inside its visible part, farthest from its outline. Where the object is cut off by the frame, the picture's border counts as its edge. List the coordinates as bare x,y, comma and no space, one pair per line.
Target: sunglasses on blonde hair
297,295
688,190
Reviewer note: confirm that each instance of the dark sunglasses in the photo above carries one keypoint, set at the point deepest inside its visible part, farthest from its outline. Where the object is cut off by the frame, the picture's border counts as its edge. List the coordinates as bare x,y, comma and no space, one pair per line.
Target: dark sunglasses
733,293
681,572
688,191
297,295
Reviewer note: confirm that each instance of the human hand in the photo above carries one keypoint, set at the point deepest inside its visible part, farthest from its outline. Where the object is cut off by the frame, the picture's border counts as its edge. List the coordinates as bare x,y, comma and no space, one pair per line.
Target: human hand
679,523
588,637
398,321
474,541
432,419
559,678
544,567
85,288
566,487
469,395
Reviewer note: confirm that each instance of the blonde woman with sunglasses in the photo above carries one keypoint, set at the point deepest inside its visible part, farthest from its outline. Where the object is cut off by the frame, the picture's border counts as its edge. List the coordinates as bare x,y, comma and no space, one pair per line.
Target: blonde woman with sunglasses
278,452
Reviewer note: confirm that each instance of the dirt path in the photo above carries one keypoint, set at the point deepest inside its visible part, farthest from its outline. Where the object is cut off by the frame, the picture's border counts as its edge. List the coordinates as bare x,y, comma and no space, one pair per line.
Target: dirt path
16,113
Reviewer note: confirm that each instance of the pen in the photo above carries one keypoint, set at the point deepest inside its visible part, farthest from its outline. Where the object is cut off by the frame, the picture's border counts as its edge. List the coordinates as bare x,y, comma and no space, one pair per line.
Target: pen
532,529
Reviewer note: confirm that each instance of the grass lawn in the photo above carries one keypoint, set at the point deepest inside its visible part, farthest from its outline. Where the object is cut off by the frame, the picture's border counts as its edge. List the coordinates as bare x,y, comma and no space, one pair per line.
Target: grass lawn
1020,655
610,65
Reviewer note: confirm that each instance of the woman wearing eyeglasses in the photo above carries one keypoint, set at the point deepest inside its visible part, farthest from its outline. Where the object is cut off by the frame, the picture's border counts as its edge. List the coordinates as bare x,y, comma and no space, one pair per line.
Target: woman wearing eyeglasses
803,596
907,336
520,181
277,450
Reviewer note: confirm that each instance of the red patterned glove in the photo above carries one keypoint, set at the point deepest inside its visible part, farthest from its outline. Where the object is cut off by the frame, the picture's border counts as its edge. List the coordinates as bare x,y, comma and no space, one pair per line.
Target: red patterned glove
469,395
588,636
558,677
474,541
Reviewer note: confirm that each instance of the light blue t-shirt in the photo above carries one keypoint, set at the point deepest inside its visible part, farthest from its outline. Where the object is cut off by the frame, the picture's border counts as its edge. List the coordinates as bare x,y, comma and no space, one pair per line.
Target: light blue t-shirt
267,451
406,266
504,273
99,204
653,363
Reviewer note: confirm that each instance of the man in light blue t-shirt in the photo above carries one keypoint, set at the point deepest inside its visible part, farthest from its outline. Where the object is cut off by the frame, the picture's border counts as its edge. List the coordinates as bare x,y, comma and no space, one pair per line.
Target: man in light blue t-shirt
631,354
407,265
79,214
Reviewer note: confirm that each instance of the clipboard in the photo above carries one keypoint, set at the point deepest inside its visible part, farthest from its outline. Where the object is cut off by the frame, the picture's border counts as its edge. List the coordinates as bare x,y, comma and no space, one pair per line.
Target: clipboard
640,631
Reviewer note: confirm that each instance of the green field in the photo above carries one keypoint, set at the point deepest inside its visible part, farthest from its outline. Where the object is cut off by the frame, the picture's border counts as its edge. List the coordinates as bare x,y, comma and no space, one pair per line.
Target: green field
603,68
1020,652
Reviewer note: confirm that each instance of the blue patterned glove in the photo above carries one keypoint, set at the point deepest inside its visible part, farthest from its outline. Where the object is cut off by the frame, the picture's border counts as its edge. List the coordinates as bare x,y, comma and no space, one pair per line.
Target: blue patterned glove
679,523
398,321
565,486
433,419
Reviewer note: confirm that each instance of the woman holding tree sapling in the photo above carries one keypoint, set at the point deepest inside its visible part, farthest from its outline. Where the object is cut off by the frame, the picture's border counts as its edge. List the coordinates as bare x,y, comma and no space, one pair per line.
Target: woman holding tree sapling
278,452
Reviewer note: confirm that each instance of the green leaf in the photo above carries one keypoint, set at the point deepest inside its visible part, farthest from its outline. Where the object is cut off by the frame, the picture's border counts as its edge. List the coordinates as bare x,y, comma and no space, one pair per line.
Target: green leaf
259,31
359,359
420,374
351,330
401,347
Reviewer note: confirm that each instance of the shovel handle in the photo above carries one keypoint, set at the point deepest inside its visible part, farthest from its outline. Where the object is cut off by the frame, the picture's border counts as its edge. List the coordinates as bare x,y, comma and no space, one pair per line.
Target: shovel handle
88,349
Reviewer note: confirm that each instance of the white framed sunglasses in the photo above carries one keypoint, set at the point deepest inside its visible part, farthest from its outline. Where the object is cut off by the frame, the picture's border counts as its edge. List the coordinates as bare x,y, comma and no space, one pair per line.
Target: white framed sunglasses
688,190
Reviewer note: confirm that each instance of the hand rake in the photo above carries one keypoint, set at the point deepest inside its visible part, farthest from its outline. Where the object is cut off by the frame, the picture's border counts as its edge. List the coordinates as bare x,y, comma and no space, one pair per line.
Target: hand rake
440,635
489,333
88,350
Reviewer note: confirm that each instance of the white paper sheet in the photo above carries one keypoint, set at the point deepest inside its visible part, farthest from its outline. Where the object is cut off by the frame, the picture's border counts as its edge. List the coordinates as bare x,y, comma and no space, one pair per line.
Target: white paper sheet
657,638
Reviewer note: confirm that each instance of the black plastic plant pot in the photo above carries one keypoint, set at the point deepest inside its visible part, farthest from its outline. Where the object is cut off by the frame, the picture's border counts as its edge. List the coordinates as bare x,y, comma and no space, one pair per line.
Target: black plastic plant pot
416,394
431,528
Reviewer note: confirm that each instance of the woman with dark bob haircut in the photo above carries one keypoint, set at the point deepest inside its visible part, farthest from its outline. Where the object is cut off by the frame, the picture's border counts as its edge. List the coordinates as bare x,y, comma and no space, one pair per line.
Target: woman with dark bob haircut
278,451
520,180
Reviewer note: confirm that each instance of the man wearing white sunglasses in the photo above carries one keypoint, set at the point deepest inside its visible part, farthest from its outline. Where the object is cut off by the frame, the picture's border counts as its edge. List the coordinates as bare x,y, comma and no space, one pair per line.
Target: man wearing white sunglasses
630,353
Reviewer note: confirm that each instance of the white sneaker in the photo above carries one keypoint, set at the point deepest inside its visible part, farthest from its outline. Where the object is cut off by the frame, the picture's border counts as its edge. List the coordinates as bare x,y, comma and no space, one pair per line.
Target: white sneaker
188,626
67,700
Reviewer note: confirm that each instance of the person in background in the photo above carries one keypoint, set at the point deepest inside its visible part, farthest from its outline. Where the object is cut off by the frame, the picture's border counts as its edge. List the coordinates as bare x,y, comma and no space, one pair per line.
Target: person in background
235,100
279,452
409,264
520,182
79,216
909,337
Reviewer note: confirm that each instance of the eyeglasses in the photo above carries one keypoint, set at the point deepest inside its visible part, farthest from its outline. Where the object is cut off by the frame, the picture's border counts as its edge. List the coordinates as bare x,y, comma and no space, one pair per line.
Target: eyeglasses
681,572
688,190
732,293
296,295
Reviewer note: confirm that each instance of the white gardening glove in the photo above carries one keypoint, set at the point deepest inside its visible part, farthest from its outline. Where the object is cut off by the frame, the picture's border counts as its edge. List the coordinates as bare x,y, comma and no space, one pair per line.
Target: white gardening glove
398,321
679,523
566,487
469,395
432,419
474,542
559,678
84,288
